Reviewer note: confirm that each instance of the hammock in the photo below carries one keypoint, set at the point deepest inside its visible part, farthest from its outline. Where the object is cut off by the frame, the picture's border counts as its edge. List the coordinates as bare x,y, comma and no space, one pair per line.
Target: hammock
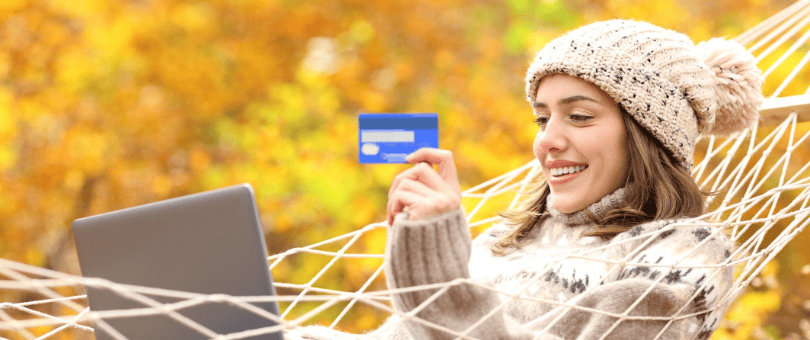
764,203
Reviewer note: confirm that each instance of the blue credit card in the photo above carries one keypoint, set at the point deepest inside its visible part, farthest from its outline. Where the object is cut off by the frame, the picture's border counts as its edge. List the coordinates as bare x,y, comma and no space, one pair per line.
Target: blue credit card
389,137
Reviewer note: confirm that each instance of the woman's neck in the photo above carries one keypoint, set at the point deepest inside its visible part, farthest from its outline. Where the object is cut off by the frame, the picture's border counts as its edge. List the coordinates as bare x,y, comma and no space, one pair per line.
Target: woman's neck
599,209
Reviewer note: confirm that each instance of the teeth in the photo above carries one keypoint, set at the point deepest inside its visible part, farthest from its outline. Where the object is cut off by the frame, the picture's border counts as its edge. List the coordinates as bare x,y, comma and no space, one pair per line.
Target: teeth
567,170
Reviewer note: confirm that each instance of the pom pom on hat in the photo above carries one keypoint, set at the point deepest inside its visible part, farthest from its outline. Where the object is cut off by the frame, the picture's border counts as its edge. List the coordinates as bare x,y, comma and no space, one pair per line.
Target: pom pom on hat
737,84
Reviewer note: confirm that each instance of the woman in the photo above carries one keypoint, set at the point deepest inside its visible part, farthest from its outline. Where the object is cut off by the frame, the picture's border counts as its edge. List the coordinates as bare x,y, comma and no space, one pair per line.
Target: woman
607,248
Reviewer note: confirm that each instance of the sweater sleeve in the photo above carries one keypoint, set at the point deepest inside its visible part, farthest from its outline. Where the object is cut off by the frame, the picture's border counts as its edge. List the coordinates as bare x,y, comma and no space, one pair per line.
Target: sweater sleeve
686,301
435,251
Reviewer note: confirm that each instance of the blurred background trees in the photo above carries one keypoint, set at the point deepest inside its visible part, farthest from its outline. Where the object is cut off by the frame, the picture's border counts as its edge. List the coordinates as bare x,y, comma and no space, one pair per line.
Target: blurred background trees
110,104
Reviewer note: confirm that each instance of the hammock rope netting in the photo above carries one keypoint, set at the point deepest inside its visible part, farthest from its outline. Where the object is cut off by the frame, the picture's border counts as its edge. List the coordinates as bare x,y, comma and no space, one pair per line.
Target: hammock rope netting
763,203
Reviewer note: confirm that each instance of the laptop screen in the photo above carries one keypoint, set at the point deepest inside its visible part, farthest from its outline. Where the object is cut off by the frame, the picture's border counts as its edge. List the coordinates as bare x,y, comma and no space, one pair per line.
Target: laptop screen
208,243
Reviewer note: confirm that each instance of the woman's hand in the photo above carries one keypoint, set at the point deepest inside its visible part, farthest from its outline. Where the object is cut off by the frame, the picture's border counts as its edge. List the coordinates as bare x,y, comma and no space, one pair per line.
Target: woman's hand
424,191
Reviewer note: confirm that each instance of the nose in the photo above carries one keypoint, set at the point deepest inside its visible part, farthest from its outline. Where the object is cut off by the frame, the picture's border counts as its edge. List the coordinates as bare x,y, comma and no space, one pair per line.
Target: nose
552,138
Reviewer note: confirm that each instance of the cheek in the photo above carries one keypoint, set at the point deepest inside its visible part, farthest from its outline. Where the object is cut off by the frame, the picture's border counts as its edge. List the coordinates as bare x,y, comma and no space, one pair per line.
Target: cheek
607,147
616,154
536,147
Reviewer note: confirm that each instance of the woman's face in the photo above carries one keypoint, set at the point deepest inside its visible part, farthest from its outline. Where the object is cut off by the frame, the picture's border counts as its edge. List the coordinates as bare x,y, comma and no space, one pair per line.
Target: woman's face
581,142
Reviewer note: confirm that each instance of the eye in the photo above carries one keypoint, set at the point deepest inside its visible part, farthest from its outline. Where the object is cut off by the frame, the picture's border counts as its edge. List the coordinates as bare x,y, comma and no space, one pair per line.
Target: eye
541,121
579,118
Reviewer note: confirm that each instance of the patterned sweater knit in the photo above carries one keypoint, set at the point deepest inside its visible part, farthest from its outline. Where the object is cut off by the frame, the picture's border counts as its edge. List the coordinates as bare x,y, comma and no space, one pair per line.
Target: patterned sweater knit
658,280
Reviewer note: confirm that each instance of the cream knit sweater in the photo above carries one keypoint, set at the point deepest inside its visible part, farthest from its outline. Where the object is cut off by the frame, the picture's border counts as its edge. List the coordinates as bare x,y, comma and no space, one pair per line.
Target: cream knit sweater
601,278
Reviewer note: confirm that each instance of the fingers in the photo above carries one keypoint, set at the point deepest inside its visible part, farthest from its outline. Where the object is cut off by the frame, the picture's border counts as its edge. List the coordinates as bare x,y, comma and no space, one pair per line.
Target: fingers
424,191
398,202
442,158
422,173
419,205
416,187
412,186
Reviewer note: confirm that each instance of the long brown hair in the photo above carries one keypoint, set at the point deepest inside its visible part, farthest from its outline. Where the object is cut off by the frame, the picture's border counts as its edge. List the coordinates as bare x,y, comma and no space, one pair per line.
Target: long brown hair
656,188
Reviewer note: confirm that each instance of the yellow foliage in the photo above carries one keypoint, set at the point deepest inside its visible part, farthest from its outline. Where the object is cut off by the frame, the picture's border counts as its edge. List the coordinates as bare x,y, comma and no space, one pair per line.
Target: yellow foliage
194,17
362,31
665,13
85,148
199,160
749,313
752,305
74,179
5,63
8,121
282,271
86,10
367,321
8,157
364,211
106,105
73,70
161,185
373,101
12,5
110,42
34,256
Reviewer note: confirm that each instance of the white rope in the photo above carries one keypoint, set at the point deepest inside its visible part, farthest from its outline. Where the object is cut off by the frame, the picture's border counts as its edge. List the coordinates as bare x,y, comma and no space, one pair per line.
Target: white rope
748,37
784,36
793,73
783,26
764,194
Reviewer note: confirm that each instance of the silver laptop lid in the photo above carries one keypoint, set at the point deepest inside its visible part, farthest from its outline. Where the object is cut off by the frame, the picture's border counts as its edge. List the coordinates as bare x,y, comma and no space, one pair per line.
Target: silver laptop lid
209,243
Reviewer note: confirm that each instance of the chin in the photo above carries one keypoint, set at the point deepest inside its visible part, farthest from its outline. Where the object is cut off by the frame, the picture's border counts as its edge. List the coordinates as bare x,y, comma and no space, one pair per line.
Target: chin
566,206
566,211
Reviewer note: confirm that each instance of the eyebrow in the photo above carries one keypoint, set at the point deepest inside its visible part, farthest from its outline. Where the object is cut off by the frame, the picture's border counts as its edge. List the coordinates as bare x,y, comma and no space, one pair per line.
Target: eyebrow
566,100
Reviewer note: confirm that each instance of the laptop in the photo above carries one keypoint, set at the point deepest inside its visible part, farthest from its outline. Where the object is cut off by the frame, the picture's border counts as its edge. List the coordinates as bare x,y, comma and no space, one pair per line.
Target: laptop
209,243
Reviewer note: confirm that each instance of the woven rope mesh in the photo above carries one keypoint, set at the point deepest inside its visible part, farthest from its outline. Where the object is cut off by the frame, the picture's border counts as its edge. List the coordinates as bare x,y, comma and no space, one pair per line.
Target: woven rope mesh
763,203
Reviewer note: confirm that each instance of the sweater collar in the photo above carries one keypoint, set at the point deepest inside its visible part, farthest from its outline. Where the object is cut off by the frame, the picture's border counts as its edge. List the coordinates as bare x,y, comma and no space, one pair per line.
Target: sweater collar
610,202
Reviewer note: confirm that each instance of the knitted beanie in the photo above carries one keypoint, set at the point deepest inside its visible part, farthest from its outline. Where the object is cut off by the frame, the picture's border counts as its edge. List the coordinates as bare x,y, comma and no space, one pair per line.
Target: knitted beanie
672,88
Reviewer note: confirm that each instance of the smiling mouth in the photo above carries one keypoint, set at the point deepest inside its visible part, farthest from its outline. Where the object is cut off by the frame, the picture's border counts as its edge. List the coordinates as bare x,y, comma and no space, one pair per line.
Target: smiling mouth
559,172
